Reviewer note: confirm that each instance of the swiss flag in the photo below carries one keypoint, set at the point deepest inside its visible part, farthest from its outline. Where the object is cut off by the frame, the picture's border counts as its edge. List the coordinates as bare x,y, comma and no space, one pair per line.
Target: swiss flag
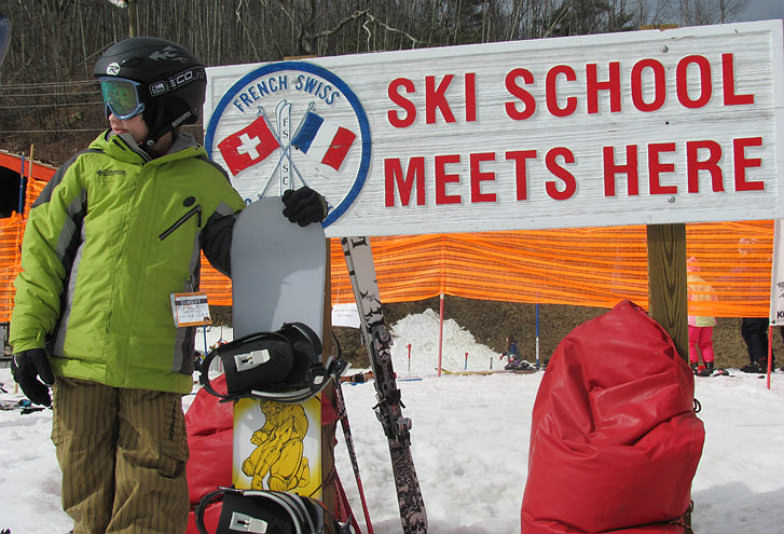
248,146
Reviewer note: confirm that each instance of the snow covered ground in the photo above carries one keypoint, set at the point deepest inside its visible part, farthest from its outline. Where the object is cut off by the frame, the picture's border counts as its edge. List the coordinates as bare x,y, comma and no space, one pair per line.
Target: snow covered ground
470,444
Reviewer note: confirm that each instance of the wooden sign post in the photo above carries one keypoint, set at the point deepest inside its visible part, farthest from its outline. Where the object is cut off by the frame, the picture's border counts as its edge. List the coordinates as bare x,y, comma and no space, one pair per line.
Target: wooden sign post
667,282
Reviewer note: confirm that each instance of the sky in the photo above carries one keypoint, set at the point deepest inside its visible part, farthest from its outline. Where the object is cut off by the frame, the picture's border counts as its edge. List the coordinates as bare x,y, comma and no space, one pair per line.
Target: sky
755,9
470,439
763,10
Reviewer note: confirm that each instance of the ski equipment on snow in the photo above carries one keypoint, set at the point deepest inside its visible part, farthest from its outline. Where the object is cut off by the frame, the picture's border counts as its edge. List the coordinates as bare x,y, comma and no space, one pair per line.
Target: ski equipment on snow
711,372
352,453
389,408
343,509
23,405
489,372
520,365
342,414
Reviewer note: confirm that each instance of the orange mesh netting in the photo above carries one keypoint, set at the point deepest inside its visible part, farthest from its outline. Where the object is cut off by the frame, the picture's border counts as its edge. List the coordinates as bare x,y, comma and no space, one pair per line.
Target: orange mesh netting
578,266
12,228
10,242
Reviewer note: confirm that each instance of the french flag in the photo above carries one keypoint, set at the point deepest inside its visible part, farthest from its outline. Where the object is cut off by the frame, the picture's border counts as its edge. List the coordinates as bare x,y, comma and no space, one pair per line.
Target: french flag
248,146
323,140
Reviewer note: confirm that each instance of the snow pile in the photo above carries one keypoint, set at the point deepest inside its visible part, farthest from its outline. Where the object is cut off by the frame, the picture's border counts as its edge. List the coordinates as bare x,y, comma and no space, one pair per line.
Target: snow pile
421,331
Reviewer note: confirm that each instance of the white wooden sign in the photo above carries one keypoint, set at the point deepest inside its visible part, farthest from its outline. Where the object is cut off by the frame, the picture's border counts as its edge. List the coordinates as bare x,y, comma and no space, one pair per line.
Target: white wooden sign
638,127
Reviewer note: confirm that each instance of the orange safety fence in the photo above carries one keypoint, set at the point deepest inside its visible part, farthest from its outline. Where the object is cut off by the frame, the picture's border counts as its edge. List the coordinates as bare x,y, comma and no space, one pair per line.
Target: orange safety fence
34,188
578,266
36,176
10,241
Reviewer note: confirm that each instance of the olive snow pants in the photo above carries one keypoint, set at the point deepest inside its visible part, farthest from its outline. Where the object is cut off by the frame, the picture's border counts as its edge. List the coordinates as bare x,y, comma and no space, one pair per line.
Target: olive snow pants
122,453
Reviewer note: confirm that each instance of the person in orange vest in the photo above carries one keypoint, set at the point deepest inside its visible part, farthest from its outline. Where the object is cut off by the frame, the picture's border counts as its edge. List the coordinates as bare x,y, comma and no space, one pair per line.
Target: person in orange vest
700,326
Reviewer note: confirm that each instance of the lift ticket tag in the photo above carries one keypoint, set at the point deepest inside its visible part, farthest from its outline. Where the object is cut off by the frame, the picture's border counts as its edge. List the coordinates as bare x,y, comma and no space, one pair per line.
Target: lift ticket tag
190,309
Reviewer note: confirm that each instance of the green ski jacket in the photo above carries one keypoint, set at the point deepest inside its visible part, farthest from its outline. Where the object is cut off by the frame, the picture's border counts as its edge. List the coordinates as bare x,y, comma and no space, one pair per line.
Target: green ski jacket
107,242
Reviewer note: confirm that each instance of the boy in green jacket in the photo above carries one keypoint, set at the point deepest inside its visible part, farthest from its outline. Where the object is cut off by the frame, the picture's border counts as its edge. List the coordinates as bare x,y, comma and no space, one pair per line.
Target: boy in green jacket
115,233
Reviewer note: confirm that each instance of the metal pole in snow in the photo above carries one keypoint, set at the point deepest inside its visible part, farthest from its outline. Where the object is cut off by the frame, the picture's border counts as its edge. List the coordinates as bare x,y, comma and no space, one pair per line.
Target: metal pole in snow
465,366
441,310
440,333
770,353
538,361
21,187
409,358
29,172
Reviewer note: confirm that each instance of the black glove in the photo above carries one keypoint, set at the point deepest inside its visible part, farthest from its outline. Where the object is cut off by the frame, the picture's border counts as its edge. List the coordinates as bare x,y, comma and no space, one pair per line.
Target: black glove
26,368
304,206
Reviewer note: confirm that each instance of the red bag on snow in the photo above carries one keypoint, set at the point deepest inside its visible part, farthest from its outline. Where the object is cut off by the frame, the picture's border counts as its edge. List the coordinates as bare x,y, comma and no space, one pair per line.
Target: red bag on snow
614,440
209,424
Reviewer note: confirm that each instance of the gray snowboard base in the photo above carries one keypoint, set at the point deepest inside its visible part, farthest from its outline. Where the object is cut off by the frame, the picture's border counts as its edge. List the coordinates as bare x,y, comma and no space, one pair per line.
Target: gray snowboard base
278,270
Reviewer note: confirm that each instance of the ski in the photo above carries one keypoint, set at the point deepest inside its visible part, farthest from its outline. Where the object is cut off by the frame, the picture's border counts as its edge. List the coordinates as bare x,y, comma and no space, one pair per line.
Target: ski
488,372
389,408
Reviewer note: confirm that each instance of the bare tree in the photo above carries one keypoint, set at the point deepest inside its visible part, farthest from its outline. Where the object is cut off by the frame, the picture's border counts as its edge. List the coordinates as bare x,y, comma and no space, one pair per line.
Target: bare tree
48,89
700,12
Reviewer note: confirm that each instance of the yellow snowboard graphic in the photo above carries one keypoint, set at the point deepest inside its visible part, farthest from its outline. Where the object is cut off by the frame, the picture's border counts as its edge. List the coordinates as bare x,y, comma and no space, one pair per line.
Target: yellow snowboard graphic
277,446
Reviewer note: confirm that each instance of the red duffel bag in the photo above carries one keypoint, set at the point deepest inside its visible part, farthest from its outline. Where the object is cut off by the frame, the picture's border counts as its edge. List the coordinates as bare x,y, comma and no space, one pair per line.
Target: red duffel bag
615,441
210,427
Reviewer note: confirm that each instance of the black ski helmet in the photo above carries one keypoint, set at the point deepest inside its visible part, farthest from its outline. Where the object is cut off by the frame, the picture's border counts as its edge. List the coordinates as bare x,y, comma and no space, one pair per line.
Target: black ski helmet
170,81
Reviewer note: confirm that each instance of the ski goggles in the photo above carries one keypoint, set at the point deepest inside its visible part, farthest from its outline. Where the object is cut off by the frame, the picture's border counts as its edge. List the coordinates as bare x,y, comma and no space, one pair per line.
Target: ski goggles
121,97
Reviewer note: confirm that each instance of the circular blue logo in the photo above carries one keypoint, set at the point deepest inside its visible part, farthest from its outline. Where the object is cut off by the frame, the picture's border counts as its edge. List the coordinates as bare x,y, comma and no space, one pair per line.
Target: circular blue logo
290,124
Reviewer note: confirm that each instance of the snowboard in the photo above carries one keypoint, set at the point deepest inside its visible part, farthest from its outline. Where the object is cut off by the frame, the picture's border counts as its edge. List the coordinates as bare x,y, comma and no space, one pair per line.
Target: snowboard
278,274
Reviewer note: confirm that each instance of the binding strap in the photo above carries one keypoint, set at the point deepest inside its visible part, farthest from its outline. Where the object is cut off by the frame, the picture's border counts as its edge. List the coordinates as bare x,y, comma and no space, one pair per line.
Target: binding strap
283,366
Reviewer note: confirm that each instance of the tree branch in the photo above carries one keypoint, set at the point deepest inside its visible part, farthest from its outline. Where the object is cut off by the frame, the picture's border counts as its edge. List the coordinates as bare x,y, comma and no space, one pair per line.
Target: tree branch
310,38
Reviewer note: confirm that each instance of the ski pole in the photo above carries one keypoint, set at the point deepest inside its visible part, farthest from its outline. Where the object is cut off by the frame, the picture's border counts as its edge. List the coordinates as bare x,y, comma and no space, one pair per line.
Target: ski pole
343,414
465,365
343,508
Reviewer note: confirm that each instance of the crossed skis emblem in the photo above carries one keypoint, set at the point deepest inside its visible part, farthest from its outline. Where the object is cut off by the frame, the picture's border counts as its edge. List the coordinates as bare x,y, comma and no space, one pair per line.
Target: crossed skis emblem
283,135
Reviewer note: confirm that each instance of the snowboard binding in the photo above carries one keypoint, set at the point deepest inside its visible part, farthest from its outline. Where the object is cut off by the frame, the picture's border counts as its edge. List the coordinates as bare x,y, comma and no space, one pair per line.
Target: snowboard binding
283,366
244,511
